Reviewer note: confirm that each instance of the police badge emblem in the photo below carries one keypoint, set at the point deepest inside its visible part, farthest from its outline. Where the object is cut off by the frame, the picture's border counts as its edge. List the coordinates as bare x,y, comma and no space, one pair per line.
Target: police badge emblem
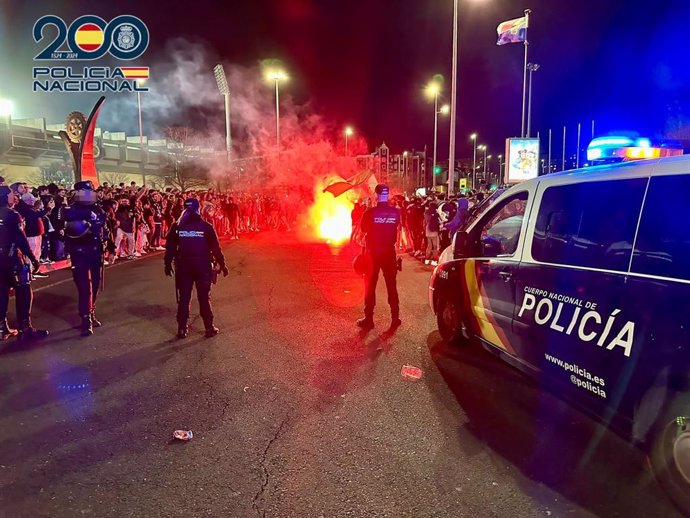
125,37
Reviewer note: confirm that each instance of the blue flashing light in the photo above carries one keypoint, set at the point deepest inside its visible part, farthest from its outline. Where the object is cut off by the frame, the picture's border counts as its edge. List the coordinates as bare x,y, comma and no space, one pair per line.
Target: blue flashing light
643,142
610,141
594,154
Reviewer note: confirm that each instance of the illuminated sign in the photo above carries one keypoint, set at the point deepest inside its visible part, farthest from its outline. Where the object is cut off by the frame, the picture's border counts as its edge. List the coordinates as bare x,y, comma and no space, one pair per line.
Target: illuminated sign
523,159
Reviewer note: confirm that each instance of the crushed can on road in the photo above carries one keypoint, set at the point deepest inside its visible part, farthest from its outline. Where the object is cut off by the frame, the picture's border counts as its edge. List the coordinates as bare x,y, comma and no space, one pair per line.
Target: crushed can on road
183,435
411,372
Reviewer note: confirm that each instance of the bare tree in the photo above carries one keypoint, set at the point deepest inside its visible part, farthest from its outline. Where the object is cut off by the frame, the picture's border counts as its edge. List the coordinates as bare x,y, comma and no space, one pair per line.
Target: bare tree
56,172
184,168
113,178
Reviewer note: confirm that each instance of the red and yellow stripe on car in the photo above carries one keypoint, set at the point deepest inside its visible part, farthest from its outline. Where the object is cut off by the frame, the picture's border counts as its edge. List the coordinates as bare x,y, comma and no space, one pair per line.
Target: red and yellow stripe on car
478,302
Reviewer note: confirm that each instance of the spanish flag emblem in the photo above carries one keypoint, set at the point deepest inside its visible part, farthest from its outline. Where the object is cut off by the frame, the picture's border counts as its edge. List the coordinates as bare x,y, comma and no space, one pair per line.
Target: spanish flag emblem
135,72
89,37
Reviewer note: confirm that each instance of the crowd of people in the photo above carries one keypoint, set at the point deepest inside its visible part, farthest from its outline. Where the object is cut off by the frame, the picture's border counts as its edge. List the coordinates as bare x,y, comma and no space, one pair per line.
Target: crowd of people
428,223
138,217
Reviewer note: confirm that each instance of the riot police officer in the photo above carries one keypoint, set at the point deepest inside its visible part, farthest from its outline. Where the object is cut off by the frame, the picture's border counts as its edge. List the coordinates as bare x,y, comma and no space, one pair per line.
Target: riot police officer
380,226
15,254
85,233
193,244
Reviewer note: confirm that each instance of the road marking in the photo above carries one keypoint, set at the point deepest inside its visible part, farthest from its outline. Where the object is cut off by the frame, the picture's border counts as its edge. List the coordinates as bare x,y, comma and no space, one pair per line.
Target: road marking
121,262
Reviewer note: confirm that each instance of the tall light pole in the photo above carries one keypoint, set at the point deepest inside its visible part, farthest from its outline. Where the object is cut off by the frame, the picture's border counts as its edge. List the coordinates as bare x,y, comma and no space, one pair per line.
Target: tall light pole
481,148
141,126
532,67
348,133
453,99
432,90
277,76
473,137
224,89
500,168
404,170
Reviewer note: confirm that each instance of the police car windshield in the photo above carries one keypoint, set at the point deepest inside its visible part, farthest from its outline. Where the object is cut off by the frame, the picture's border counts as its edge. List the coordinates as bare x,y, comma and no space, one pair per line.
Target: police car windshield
479,207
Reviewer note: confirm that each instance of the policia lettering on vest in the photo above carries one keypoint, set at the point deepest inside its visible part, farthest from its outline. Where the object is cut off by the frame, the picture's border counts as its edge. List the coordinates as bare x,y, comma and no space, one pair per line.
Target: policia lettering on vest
15,257
85,236
193,245
380,225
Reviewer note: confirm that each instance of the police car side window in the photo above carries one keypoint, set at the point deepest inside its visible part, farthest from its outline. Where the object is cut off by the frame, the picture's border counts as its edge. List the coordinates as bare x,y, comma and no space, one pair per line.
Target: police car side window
663,241
590,224
500,233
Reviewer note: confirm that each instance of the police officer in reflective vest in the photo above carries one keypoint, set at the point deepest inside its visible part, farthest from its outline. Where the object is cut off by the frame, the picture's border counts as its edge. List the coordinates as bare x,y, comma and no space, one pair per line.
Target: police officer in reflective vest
193,245
380,226
15,256
85,234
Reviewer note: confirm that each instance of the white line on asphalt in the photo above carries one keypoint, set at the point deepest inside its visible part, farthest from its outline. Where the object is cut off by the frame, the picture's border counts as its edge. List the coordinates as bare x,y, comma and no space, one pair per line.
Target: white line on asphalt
118,263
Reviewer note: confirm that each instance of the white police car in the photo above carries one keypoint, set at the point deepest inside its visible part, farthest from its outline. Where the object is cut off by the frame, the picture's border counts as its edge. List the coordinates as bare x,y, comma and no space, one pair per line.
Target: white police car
582,279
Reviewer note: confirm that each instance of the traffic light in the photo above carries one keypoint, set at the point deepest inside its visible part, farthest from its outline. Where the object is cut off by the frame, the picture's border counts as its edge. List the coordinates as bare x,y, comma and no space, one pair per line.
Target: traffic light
437,169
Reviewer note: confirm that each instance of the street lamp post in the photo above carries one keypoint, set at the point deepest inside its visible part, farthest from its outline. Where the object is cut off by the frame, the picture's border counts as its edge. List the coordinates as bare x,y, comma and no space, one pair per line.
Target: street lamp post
224,89
277,76
486,167
141,127
481,148
532,67
404,175
474,156
500,168
433,89
348,133
453,99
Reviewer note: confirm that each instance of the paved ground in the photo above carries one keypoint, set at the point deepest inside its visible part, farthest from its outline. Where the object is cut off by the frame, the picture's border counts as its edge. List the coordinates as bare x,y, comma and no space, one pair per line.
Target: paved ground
294,413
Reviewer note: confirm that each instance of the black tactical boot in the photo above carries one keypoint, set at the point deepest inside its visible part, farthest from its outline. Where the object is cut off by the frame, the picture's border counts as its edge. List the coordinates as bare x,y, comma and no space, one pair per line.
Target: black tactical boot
94,321
395,321
31,333
212,331
6,332
86,326
365,323
182,331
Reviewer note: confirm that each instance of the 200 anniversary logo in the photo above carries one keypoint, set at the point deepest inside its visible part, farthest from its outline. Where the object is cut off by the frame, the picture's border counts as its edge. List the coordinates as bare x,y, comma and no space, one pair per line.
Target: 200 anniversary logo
89,38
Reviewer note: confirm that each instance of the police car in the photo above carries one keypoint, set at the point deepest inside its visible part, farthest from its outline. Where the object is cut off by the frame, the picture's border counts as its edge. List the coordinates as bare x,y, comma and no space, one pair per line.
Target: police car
582,280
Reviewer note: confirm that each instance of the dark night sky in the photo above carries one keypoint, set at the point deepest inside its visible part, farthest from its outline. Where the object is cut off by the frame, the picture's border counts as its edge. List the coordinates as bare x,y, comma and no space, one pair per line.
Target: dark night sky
624,63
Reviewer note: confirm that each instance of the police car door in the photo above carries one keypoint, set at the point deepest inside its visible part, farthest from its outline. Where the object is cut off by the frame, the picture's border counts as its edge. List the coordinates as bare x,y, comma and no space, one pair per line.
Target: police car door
571,285
490,271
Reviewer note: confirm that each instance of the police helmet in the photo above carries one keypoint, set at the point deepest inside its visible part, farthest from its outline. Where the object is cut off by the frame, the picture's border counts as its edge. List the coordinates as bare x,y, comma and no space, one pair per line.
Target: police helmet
192,205
361,264
85,193
381,192
76,229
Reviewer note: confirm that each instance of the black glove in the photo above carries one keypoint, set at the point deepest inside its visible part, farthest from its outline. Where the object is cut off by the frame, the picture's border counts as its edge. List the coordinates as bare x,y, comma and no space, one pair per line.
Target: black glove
225,271
169,270
36,265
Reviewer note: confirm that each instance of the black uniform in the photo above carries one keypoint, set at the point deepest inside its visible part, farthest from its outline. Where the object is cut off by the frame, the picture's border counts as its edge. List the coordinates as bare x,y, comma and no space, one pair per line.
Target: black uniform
193,244
380,225
15,254
85,234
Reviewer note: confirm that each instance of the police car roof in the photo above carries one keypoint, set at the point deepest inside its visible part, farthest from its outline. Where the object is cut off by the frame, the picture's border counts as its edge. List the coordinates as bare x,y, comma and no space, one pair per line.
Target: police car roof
635,169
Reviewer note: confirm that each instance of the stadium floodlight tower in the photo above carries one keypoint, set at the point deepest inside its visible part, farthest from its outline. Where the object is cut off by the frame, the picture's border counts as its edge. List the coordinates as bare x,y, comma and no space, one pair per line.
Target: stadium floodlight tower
224,89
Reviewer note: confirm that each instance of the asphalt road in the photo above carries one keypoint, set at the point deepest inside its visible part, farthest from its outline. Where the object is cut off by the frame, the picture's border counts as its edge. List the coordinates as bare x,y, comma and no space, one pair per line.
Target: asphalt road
294,412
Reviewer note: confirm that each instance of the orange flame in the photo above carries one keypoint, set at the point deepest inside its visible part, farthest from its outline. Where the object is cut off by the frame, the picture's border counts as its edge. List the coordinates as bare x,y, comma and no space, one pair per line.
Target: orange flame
331,217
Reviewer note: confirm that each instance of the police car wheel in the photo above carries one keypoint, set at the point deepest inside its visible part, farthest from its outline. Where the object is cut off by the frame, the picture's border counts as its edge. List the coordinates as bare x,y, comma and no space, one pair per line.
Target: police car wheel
670,453
449,320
